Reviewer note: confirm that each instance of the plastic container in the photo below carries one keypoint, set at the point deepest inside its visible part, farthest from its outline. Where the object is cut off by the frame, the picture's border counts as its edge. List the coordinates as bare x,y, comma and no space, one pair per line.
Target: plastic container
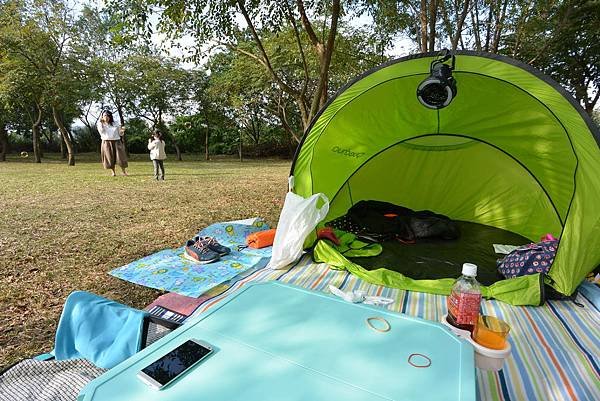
491,332
464,300
485,358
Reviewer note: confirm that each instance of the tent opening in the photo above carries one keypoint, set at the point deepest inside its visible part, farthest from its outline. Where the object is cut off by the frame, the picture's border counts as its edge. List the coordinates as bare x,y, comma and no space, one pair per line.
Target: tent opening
493,198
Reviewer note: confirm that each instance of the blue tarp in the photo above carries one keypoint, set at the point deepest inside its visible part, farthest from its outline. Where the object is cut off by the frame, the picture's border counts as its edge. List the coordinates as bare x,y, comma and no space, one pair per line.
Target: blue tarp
169,271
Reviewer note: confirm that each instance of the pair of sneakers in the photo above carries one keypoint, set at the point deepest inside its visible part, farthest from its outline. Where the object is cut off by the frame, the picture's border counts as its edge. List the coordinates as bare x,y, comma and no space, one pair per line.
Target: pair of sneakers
205,249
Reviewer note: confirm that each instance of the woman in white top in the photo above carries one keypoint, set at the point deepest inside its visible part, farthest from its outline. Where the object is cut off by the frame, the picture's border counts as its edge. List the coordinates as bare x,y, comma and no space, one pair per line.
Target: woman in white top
112,150
156,146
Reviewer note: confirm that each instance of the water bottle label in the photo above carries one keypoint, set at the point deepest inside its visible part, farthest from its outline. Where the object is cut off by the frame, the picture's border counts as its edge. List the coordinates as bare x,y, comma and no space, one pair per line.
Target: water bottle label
464,307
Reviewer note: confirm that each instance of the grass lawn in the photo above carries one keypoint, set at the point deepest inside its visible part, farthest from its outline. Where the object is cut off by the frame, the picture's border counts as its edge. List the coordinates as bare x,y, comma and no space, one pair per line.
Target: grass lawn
63,228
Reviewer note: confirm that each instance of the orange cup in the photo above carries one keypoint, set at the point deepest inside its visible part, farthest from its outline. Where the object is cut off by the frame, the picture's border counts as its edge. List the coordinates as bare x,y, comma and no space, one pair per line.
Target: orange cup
491,332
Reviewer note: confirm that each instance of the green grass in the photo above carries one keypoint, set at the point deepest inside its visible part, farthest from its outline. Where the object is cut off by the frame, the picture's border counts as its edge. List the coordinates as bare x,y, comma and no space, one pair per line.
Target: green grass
64,228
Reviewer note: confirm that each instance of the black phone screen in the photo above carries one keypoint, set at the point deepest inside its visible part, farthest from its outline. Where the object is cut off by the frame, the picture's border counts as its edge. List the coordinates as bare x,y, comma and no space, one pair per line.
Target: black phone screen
169,366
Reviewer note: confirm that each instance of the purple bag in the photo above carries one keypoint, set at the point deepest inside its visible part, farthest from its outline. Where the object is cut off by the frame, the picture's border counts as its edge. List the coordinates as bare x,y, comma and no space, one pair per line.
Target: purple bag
528,259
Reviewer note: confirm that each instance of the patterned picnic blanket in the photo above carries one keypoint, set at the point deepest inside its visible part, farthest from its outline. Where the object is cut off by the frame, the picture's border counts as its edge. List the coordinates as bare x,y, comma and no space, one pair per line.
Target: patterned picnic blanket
168,270
555,347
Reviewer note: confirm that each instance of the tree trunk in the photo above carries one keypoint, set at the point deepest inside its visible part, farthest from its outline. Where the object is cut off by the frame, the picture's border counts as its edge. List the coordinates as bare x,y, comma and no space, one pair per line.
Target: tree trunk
3,142
206,155
499,26
122,118
459,26
206,136
423,19
446,20
35,134
65,135
488,26
475,24
48,136
63,149
175,144
432,22
240,146
177,150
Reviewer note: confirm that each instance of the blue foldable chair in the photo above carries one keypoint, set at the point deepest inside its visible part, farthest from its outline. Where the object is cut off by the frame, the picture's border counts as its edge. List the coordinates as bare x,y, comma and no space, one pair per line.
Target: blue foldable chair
93,334
102,331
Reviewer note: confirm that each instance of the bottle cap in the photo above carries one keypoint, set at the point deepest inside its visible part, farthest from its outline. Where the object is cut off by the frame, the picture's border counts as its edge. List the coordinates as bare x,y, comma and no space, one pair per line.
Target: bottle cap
469,269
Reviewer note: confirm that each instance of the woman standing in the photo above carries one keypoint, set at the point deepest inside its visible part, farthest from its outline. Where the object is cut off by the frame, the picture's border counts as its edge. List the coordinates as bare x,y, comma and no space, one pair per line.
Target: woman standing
112,150
156,146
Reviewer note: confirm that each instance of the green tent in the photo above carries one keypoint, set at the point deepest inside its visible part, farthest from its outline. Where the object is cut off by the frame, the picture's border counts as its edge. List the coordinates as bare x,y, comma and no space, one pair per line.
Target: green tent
512,150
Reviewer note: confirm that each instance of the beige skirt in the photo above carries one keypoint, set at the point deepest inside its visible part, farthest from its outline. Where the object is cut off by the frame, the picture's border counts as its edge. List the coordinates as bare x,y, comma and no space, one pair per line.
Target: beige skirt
112,153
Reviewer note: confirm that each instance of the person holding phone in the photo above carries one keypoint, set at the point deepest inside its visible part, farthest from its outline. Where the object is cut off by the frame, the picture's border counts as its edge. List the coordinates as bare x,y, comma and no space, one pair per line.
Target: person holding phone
112,150
156,146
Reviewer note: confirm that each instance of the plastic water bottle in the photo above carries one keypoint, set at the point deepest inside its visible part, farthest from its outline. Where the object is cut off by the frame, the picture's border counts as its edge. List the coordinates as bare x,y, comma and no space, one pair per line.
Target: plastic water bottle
464,300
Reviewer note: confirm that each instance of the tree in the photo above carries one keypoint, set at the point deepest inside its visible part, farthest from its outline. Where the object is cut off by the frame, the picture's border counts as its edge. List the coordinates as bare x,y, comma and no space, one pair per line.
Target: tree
436,24
215,21
561,39
158,88
56,22
37,35
22,75
256,103
248,96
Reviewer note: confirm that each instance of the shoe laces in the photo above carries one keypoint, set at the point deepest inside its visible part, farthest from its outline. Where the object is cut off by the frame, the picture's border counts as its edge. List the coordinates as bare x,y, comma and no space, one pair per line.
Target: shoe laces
209,241
201,245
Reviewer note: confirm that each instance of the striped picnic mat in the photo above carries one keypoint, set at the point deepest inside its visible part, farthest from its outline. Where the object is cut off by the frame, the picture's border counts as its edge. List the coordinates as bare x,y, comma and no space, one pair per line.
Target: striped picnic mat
556,347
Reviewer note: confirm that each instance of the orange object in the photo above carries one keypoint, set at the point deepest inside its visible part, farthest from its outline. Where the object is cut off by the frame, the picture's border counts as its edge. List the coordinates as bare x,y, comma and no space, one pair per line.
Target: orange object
328,233
261,239
491,332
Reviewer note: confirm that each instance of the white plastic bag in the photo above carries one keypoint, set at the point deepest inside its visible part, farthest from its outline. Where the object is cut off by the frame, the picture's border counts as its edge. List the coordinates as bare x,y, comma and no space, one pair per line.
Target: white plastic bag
298,218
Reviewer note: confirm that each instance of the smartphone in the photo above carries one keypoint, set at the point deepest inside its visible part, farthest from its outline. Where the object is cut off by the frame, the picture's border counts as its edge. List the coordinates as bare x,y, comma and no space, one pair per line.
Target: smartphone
171,366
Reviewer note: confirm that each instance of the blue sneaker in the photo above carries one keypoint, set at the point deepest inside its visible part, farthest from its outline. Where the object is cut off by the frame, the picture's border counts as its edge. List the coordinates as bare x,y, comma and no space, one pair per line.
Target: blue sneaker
200,252
214,245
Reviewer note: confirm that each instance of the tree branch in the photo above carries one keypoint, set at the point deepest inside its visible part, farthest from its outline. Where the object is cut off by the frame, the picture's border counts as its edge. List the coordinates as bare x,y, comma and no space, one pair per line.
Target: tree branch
306,23
459,25
292,21
284,121
320,96
488,25
475,24
265,57
244,52
592,104
446,20
548,41
499,25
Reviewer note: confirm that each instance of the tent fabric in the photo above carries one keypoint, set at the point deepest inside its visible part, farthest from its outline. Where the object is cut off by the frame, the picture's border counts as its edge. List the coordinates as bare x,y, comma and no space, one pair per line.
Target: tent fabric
513,150
524,290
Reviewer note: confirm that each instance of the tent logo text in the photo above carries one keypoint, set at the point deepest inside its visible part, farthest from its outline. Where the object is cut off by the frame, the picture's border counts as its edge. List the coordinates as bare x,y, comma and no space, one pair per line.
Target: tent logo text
347,152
